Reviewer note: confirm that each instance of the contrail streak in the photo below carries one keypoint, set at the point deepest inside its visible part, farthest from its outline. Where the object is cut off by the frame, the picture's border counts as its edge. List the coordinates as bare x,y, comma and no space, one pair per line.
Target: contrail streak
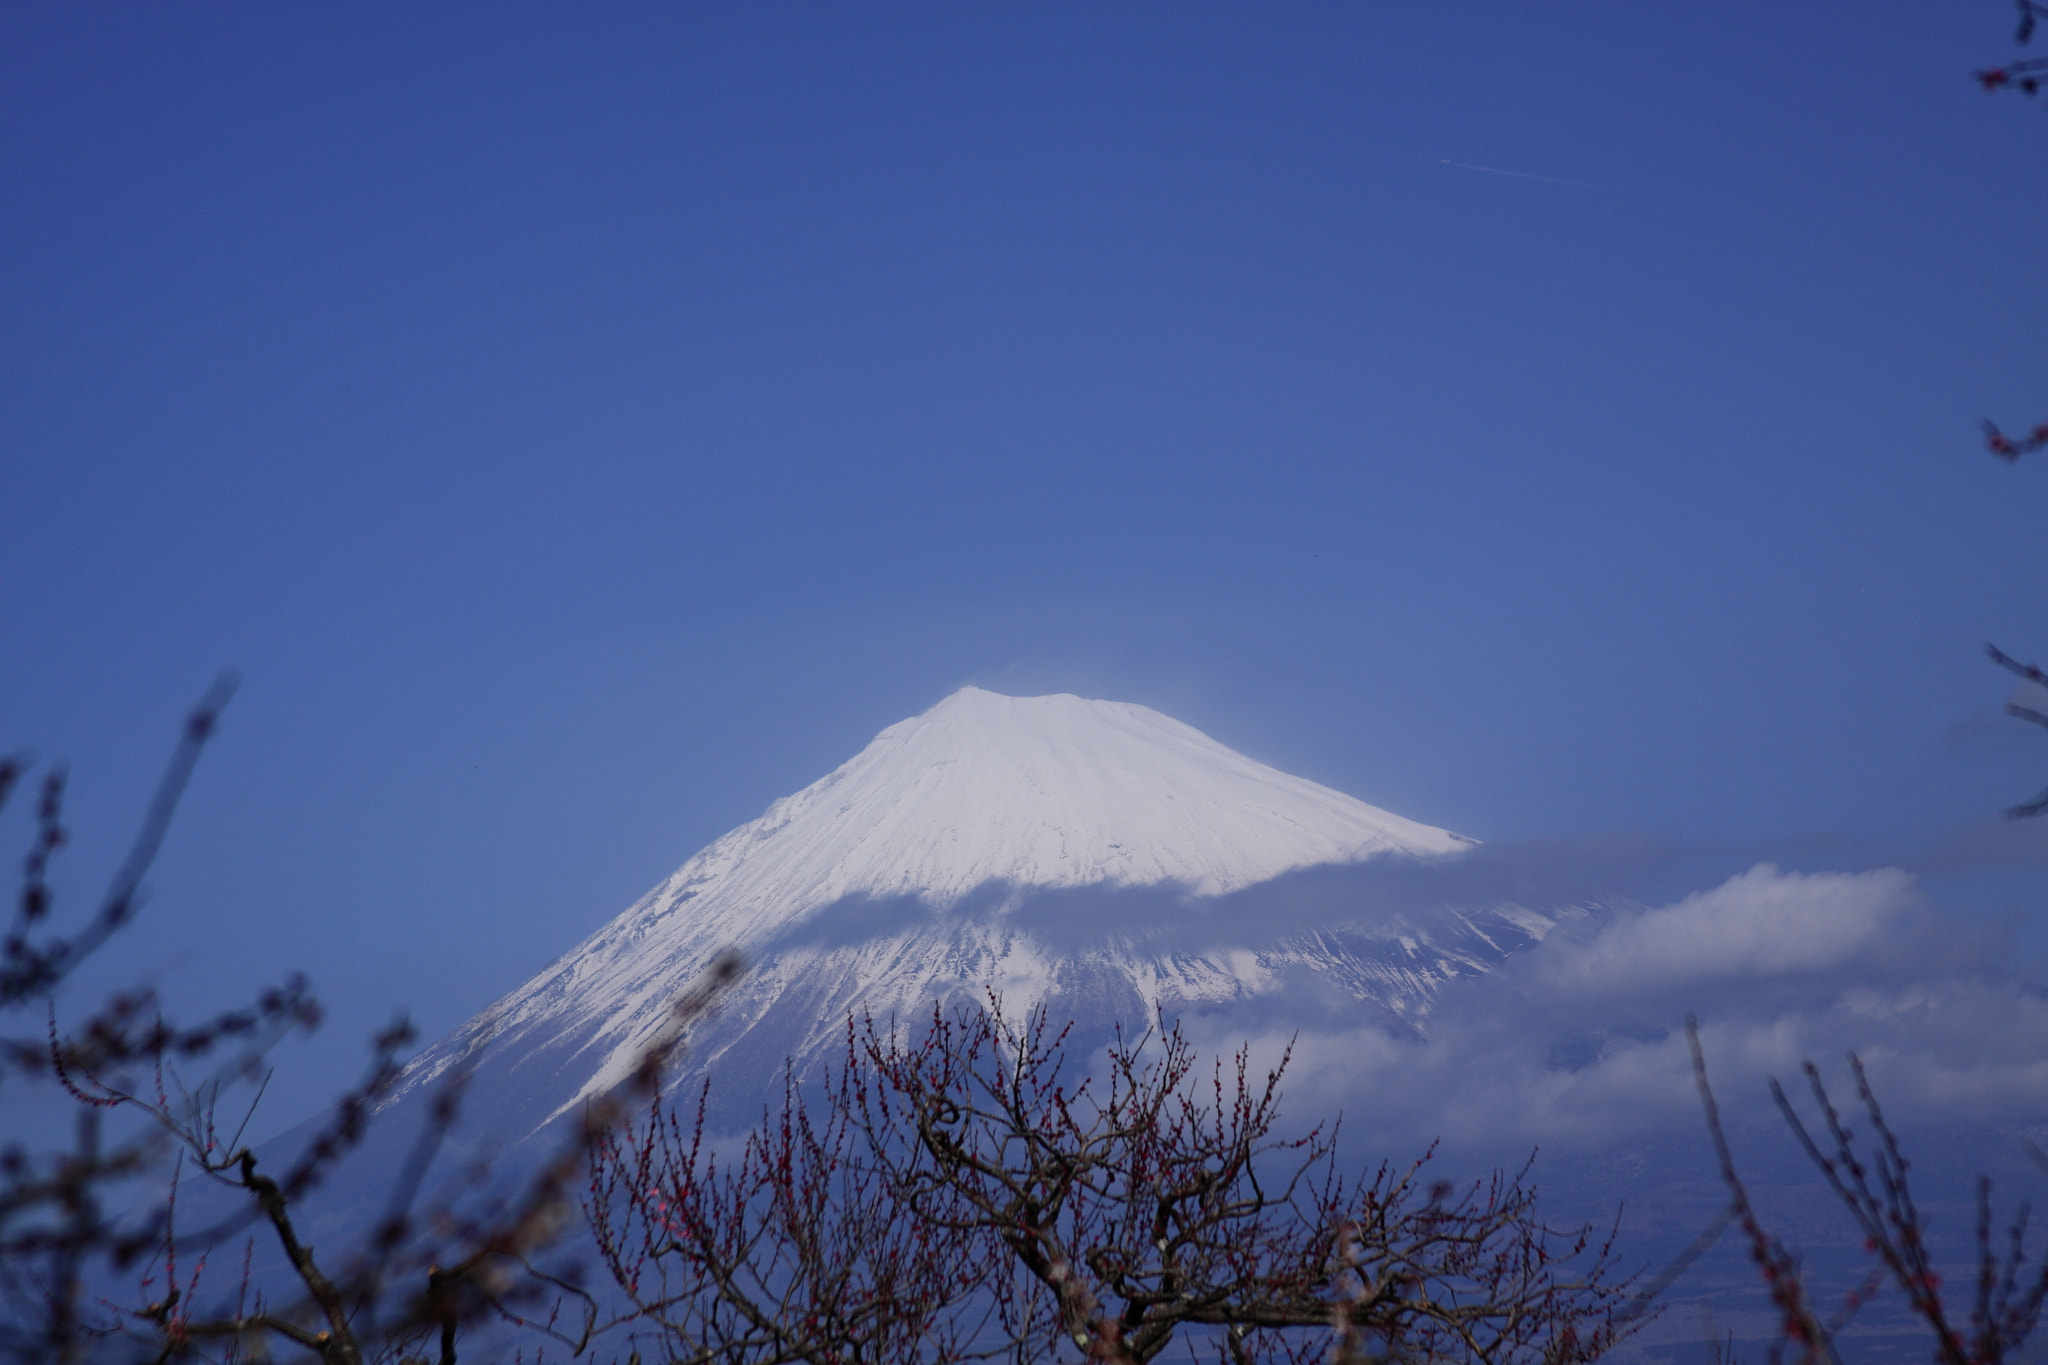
1524,175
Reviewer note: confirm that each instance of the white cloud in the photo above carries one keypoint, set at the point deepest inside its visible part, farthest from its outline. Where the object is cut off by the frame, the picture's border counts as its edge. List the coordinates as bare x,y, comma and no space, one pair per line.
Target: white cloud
1761,923
1580,1043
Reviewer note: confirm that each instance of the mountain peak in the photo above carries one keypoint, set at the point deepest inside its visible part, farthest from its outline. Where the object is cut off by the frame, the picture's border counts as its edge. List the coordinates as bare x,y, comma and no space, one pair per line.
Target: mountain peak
1050,791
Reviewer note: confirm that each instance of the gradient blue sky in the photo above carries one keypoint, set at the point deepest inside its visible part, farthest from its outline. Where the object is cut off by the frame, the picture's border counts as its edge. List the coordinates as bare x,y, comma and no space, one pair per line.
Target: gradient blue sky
582,425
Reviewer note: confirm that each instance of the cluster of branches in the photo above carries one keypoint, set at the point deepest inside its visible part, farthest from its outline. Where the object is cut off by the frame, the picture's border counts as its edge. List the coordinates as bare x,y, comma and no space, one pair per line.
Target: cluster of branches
966,1192
1869,1180
78,1223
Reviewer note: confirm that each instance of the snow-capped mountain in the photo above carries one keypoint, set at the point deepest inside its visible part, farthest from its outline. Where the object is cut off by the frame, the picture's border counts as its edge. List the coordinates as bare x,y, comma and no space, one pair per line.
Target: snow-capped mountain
1034,792
1094,856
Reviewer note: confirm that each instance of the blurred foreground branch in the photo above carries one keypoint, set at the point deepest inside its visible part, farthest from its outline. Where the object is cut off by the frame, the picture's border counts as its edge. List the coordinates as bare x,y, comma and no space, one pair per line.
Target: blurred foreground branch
78,1221
1869,1180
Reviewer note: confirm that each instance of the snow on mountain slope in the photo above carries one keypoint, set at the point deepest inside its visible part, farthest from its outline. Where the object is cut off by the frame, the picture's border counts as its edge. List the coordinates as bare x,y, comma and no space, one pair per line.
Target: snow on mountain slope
892,880
1033,791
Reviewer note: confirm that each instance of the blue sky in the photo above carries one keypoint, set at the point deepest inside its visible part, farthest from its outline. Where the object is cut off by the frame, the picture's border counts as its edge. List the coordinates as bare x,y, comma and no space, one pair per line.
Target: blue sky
584,425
